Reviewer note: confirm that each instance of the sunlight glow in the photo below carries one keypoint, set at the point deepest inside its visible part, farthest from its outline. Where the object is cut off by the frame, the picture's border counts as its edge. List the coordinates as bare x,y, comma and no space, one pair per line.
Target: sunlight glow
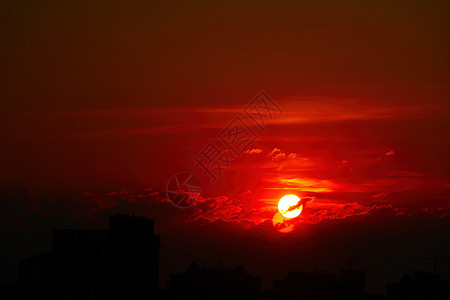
289,206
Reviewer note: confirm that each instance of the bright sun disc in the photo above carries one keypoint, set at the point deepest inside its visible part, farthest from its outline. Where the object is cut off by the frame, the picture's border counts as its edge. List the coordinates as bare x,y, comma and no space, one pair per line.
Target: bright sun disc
288,206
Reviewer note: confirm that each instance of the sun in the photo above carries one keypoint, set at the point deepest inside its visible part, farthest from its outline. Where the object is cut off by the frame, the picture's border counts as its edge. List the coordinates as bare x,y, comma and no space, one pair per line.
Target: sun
289,206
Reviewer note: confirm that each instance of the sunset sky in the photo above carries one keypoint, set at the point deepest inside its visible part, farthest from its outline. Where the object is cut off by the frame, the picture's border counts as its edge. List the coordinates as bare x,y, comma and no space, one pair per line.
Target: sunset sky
103,102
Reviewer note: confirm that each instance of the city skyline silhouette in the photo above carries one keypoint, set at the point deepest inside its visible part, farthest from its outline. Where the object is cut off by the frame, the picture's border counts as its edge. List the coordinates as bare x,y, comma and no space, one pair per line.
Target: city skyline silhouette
225,149
122,262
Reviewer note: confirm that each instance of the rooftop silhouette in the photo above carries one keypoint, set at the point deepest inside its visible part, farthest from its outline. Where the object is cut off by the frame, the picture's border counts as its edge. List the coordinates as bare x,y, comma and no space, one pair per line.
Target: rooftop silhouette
297,285
122,262
214,283
422,285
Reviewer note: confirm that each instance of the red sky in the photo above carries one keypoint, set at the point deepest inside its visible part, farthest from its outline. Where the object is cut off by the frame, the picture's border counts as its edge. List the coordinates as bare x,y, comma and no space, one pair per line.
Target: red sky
348,153
102,98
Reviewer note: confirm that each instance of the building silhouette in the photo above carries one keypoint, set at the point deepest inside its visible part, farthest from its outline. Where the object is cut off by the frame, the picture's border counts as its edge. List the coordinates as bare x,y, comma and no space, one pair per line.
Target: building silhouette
122,262
119,263
213,283
297,285
35,275
422,285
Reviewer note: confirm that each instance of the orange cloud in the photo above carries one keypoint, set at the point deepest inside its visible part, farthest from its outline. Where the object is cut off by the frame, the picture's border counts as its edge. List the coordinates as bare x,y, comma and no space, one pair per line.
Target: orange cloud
390,153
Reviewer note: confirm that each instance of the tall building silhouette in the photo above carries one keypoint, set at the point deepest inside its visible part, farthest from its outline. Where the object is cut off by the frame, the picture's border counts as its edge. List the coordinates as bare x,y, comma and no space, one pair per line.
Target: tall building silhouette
119,263
133,256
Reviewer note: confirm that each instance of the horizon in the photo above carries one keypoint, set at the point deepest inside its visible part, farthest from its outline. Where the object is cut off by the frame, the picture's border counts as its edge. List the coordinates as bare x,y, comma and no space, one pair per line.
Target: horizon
203,116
